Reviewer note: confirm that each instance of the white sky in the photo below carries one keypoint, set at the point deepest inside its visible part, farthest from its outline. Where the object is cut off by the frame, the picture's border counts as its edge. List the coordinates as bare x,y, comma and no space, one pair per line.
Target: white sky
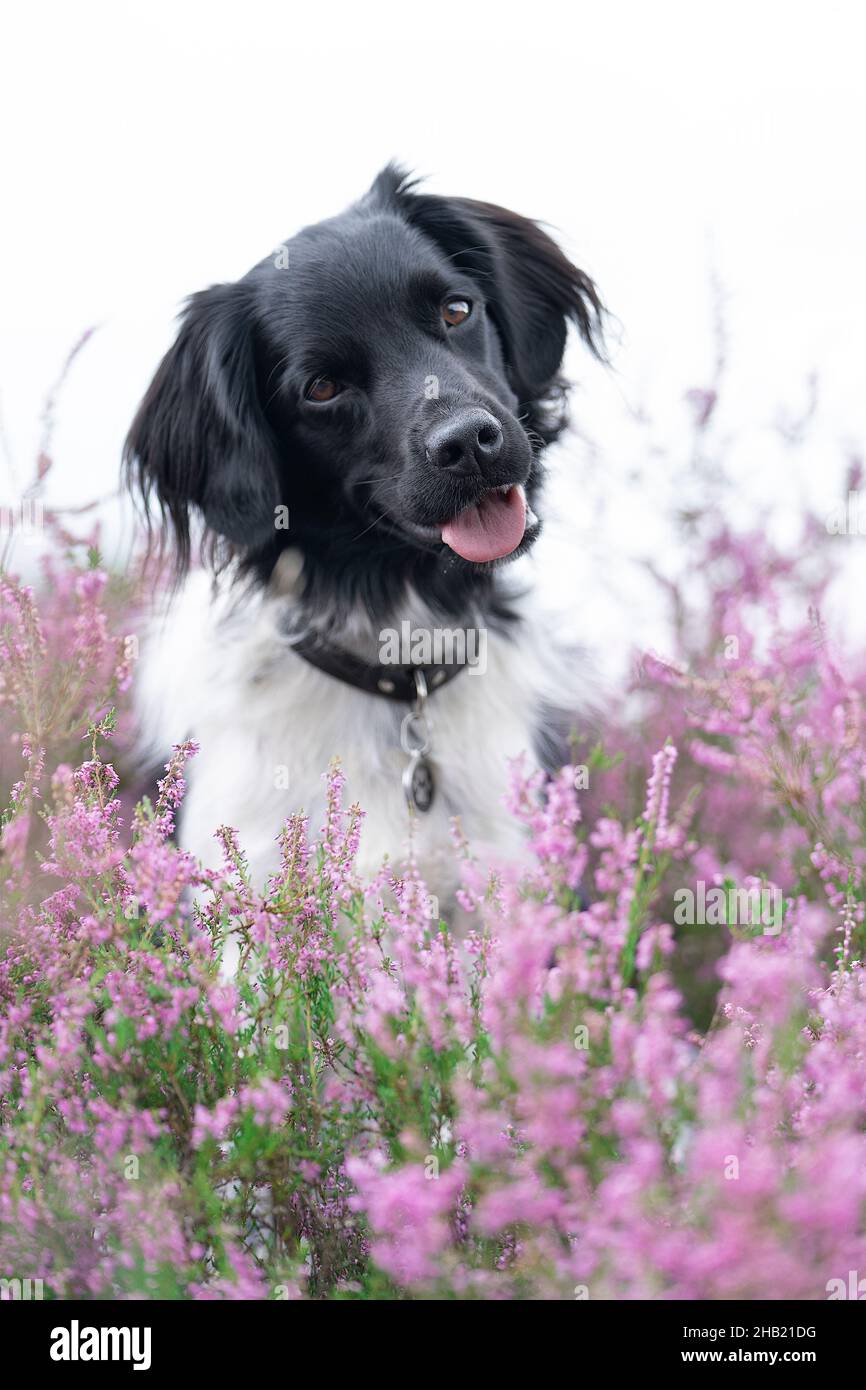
153,148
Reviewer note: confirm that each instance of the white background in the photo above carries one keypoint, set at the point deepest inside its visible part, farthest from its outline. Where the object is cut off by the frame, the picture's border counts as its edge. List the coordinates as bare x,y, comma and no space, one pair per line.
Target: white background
154,148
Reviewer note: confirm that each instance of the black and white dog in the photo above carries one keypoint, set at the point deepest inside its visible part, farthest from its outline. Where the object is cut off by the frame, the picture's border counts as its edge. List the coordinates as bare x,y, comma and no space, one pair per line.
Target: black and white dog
353,432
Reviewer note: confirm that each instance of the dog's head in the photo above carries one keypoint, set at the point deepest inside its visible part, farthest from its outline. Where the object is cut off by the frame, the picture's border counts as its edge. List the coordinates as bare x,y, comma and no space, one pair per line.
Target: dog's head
383,380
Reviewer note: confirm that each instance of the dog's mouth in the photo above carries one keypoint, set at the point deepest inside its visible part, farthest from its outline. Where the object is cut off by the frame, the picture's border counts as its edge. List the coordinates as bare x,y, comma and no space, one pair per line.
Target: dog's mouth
498,524
492,527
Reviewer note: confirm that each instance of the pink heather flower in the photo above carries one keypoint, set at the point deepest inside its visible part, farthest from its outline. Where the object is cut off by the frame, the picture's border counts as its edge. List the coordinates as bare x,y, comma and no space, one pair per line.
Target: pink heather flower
658,794
409,1210
379,1104
215,1123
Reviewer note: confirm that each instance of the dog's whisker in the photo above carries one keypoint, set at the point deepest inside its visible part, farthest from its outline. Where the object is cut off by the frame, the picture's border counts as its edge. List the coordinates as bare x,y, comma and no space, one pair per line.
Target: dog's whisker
275,368
467,251
388,478
373,523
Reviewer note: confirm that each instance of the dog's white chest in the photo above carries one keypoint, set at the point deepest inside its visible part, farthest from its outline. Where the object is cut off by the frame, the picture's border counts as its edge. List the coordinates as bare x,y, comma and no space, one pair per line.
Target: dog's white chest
269,724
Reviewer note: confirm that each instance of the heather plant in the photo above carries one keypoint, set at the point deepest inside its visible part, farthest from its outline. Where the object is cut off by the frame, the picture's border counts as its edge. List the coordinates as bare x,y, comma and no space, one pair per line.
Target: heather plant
319,1090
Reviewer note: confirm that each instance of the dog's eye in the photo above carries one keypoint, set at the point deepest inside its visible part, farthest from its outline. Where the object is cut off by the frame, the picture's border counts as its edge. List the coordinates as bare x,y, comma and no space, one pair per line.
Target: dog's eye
322,388
455,311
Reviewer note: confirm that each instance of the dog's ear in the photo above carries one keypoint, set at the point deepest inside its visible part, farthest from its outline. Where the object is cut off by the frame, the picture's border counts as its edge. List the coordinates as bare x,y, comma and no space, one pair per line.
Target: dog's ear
200,438
537,292
533,291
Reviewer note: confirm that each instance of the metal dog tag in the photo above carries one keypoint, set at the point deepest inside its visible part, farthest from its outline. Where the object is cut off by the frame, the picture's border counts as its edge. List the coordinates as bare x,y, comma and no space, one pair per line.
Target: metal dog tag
419,786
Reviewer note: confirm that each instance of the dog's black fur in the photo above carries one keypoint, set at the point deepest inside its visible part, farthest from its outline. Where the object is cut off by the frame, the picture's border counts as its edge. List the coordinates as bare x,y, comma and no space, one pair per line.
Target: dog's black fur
226,428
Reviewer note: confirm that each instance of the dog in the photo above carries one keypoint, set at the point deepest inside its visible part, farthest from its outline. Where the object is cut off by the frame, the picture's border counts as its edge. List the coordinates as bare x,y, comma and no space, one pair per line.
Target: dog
343,450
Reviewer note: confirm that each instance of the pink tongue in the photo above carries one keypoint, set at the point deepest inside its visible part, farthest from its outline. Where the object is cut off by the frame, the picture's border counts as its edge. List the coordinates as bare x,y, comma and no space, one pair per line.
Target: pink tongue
489,530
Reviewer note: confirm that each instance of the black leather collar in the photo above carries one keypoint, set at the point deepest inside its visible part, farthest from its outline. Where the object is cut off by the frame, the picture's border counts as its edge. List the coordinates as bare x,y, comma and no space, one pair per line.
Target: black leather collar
391,682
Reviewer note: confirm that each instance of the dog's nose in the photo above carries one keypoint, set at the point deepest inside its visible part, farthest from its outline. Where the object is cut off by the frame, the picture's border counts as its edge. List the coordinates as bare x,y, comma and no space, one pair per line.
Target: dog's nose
465,442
